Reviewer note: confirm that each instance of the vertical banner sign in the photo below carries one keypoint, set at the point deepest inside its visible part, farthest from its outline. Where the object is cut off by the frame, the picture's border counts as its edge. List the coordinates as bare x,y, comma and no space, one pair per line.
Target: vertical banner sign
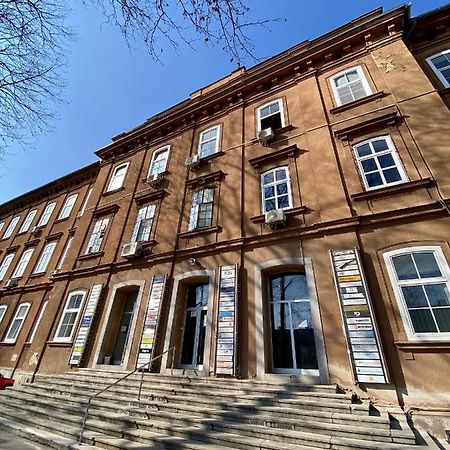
147,346
363,340
227,316
85,325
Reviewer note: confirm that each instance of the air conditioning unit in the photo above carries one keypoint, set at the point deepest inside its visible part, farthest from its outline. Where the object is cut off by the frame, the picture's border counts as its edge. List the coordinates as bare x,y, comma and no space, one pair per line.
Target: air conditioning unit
193,161
10,283
132,249
265,136
36,231
155,180
276,218
54,272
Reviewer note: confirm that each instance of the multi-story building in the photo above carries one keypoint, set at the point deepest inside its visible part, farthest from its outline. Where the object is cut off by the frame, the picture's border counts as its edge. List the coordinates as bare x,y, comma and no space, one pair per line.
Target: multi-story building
290,219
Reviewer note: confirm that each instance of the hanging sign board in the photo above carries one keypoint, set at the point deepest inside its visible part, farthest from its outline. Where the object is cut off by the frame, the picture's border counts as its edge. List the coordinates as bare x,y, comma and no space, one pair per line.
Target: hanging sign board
359,321
85,325
147,344
227,316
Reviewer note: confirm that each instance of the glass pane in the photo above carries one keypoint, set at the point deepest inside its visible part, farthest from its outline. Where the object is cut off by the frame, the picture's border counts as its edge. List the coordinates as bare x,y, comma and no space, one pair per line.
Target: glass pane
373,179
414,296
369,165
352,76
265,111
281,174
187,352
276,288
442,316
422,321
404,267
75,301
392,175
380,145
358,90
440,61
270,205
305,345
283,202
427,265
281,336
274,107
446,74
268,178
269,192
340,81
295,287
364,150
438,294
386,160
282,188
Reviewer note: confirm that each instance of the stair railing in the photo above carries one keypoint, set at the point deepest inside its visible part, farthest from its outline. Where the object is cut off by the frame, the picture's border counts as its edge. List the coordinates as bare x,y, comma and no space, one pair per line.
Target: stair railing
140,368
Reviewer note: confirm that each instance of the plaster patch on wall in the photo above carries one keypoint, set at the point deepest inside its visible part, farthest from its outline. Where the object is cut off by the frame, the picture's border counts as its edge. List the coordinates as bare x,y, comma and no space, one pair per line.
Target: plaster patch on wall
14,357
34,359
387,64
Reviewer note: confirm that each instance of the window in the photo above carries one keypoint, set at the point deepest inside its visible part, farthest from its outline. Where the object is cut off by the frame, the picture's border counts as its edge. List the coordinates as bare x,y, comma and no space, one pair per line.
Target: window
143,225
276,189
38,321
68,205
421,280
118,177
46,214
45,257
379,163
201,209
27,222
5,265
2,224
159,161
440,63
17,323
69,316
63,257
3,309
209,141
98,233
350,85
20,269
11,226
271,115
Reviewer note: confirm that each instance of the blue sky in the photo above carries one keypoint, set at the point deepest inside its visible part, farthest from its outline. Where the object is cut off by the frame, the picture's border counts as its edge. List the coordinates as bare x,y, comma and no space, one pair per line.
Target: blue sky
110,88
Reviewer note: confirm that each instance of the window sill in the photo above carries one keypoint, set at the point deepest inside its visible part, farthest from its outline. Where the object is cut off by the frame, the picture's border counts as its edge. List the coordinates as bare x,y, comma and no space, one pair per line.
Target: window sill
36,275
12,248
148,244
361,101
32,243
423,346
200,231
59,343
54,236
114,191
213,156
8,344
90,256
289,212
63,219
163,176
388,191
444,91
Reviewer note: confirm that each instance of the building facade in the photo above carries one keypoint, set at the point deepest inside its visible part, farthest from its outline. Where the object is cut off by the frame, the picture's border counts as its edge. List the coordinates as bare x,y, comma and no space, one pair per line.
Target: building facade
289,220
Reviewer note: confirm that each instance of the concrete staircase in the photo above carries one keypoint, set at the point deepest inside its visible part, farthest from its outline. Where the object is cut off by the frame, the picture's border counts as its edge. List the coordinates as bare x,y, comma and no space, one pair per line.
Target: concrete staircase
194,413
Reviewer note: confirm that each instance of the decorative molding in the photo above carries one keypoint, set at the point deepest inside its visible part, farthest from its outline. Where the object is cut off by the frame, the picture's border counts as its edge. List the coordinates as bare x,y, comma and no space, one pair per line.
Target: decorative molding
90,256
12,248
107,193
203,180
53,236
289,213
288,152
150,196
355,103
423,346
32,243
107,209
194,233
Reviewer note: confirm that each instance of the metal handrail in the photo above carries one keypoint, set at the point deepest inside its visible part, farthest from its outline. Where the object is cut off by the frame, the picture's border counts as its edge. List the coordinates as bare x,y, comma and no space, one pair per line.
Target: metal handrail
141,368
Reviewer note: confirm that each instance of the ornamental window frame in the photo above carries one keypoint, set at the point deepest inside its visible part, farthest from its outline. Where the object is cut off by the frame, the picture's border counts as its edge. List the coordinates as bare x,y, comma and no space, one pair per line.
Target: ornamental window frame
11,227
143,225
362,78
274,184
445,82
116,181
45,257
23,263
201,214
97,235
6,263
28,221
48,211
216,138
280,111
73,324
12,334
156,166
66,210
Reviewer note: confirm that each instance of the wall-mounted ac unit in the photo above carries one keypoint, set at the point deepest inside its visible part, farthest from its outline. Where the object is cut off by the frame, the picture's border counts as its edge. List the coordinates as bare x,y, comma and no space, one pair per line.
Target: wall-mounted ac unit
265,136
155,180
10,283
36,231
132,250
275,218
193,161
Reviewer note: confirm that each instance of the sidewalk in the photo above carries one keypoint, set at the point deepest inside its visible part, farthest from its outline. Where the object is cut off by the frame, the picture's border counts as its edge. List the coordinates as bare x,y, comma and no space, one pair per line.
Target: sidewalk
10,441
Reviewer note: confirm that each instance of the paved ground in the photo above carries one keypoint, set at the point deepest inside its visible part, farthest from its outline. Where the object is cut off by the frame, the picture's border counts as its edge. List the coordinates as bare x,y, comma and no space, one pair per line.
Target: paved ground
10,441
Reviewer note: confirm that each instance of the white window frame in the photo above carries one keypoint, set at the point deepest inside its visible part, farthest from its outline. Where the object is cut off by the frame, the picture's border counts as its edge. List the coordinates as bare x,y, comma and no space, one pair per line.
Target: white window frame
281,107
12,225
392,150
66,249
116,181
165,149
274,183
396,285
97,235
28,220
216,149
362,77
146,213
38,321
48,211
3,309
45,257
68,206
437,71
12,339
23,263
7,260
66,310
198,199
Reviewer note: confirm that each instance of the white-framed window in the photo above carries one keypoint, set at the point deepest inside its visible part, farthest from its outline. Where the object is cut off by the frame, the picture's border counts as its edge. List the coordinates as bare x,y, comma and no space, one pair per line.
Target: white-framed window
159,160
420,277
209,141
201,209
63,257
98,233
271,115
27,222
379,163
3,309
5,265
24,260
11,226
349,85
143,224
17,323
69,317
46,214
440,63
68,205
118,177
276,189
38,321
2,224
45,257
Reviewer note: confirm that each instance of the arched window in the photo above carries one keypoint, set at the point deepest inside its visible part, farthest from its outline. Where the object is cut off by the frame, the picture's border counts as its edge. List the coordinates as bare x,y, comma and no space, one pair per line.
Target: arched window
276,189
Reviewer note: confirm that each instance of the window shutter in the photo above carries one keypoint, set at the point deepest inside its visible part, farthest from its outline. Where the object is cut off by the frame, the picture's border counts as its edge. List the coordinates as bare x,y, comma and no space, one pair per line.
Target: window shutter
196,199
140,217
